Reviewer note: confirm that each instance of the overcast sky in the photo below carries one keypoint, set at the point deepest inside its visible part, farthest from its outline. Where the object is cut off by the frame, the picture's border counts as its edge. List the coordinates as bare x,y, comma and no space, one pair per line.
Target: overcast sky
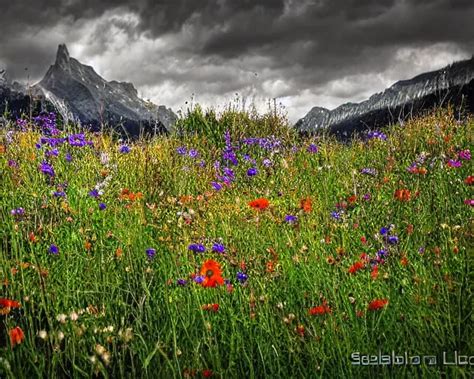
302,52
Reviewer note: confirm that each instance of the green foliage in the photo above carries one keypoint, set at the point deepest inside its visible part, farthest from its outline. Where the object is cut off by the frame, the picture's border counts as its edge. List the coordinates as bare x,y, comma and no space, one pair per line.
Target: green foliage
102,307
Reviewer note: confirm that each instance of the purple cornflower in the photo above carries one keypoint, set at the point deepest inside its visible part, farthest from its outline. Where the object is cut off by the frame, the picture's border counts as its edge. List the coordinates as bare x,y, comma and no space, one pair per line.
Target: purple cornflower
181,150
252,171
59,194
68,157
181,282
290,219
267,162
53,249
242,277
197,248
17,212
367,197
193,153
335,215
369,171
382,253
392,240
216,185
102,206
47,169
454,163
376,134
78,140
465,155
12,163
150,252
312,148
51,153
199,279
124,149
421,250
218,248
94,193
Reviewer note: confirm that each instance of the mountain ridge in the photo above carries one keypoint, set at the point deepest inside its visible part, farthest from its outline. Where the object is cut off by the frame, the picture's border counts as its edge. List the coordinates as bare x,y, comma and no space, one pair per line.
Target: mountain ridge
452,84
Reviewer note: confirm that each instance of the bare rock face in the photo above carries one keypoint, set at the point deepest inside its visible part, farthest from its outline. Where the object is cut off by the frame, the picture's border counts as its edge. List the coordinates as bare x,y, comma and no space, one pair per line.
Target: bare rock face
453,85
80,94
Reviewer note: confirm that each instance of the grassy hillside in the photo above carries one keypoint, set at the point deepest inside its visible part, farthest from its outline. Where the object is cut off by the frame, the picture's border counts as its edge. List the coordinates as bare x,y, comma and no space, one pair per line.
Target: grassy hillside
235,249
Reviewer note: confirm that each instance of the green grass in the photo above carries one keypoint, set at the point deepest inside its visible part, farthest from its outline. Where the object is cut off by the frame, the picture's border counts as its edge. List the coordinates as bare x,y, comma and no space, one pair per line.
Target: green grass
135,321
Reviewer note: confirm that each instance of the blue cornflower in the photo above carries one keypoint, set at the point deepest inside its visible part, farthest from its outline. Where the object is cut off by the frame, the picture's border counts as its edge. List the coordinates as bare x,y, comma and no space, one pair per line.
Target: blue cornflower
199,279
335,215
312,148
252,171
53,249
382,253
150,252
218,248
197,248
392,240
78,140
51,153
17,212
383,231
59,194
369,171
377,134
124,149
102,206
242,277
47,169
94,193
290,219
193,153
181,150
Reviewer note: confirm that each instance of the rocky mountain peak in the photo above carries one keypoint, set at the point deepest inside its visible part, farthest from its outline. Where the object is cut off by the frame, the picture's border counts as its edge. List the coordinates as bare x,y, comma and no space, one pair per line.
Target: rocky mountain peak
62,57
3,77
79,93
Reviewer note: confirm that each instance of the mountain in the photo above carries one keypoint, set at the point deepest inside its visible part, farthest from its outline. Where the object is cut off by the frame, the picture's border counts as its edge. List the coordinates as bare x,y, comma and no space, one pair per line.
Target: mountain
453,85
78,93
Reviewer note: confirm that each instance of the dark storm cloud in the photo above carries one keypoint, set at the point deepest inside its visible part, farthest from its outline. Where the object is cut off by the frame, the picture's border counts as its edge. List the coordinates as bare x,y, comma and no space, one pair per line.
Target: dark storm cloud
323,50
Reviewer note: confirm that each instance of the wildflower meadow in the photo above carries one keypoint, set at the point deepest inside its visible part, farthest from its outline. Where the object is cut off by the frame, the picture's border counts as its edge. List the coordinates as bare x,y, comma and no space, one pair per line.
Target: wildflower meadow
235,248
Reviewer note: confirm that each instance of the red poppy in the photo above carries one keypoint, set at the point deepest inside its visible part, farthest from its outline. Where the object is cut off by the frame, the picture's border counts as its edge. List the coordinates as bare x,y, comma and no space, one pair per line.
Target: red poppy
259,204
320,309
306,205
7,305
363,240
356,267
402,194
207,373
211,270
300,330
352,199
404,261
16,336
377,304
375,272
210,307
469,180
